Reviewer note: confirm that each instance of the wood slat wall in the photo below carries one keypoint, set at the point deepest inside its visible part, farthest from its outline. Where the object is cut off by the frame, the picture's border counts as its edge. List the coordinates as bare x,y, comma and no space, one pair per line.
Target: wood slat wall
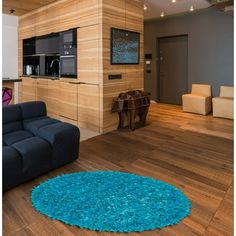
123,14
94,19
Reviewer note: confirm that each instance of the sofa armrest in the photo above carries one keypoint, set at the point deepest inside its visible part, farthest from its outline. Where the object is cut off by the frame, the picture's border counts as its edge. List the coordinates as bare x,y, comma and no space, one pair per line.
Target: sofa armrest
64,139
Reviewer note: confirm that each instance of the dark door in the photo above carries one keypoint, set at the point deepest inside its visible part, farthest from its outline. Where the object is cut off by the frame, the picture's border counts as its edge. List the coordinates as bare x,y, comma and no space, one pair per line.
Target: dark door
173,68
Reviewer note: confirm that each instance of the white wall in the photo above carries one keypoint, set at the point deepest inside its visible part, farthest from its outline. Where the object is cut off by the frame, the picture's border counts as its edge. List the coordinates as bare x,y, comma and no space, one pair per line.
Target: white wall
9,46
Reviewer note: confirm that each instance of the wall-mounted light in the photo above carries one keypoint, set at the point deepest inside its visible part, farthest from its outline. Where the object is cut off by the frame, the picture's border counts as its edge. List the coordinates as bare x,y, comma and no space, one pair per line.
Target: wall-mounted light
144,7
191,8
162,14
174,1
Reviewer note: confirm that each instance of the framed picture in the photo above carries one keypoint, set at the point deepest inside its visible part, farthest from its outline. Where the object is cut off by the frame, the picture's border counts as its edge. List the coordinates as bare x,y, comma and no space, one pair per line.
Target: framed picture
125,47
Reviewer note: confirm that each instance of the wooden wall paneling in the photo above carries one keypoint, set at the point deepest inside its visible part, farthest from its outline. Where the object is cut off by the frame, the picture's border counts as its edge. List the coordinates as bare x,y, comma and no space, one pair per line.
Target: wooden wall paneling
27,90
26,26
42,90
88,107
68,14
20,56
125,14
134,15
68,100
88,12
53,98
89,69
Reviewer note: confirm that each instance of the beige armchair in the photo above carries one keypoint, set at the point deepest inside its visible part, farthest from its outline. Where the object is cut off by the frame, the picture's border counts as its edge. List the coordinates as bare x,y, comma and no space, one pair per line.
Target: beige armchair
223,106
199,101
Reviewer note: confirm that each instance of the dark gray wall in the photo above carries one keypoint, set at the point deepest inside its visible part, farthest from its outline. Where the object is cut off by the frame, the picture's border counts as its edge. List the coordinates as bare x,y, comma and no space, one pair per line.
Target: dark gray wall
210,47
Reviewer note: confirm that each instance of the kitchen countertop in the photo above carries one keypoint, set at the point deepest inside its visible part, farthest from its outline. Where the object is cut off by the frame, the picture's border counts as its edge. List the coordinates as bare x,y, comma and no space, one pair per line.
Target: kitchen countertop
41,77
8,80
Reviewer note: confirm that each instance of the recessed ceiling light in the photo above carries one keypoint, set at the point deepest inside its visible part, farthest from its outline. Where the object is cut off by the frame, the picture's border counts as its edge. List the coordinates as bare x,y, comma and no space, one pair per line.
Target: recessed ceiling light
191,8
162,14
173,1
11,11
144,7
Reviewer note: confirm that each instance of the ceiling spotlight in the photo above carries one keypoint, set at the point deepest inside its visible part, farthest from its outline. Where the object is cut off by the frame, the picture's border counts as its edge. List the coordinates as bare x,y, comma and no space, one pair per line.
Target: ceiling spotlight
191,8
144,7
162,14
11,11
173,1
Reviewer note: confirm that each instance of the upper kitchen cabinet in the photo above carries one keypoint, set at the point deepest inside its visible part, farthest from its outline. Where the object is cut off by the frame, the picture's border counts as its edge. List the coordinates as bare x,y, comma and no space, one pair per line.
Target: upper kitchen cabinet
68,14
47,20
88,12
27,26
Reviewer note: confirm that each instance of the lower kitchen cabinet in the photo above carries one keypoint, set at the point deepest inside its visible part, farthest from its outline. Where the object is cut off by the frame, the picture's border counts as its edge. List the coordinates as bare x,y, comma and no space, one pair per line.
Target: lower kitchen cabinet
68,96
42,90
27,89
88,107
53,99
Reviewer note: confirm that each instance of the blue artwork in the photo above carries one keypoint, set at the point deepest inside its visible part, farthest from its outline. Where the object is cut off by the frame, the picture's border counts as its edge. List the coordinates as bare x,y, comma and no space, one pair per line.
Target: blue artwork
124,47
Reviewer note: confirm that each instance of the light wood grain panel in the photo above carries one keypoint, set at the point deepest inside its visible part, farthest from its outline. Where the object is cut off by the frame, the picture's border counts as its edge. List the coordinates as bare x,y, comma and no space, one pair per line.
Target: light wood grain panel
88,12
89,60
27,90
53,99
42,90
127,15
89,107
68,14
68,100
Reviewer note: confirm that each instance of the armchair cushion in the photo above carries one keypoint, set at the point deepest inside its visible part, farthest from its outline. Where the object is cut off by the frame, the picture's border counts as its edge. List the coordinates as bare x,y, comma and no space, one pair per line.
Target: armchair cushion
201,89
227,91
196,104
223,107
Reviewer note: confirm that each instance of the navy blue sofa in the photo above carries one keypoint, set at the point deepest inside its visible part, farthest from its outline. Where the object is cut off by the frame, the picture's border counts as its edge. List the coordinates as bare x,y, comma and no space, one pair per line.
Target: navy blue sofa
33,143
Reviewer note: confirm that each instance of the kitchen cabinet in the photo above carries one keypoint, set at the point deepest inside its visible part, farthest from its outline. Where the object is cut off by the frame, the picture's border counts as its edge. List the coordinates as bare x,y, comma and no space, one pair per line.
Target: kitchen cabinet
42,90
53,99
68,15
89,106
27,89
68,96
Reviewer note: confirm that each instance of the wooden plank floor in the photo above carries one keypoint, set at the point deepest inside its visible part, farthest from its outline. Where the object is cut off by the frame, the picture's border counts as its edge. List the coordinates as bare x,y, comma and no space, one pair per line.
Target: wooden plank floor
192,152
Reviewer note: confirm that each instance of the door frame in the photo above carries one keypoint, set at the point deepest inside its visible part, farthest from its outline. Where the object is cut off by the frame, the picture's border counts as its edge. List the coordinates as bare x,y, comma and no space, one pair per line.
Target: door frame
158,39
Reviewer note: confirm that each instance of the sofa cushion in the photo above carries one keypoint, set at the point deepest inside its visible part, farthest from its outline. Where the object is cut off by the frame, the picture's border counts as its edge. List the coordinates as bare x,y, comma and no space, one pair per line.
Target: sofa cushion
12,171
16,136
36,156
33,125
11,118
33,109
64,139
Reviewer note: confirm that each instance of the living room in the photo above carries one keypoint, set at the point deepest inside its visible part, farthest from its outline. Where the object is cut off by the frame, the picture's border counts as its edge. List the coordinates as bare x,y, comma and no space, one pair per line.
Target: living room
117,117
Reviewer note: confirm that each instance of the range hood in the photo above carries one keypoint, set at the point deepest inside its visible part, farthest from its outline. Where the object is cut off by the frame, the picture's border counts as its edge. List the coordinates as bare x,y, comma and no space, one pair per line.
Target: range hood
225,5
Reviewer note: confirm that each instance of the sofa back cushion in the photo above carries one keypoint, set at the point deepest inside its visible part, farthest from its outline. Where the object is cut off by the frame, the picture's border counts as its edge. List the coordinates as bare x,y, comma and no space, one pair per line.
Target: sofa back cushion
33,109
227,91
201,89
11,118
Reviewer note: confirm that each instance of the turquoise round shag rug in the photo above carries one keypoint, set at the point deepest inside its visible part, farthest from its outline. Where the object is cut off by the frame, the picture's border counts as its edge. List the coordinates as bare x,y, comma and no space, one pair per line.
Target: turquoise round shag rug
111,201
